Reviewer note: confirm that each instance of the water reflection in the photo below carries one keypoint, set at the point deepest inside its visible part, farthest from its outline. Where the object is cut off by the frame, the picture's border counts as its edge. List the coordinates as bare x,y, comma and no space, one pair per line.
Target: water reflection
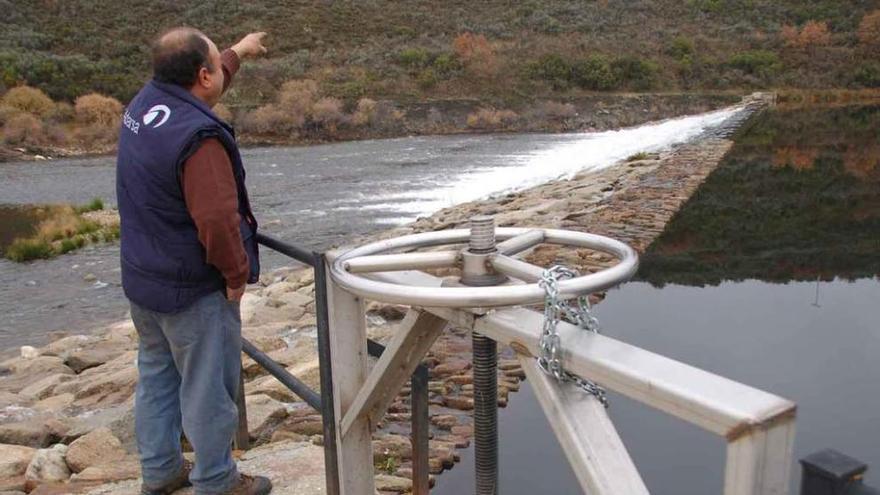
786,234
797,198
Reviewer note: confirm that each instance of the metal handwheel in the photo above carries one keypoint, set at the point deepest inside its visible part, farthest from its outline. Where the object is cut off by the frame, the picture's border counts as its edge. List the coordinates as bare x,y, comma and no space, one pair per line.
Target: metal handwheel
485,266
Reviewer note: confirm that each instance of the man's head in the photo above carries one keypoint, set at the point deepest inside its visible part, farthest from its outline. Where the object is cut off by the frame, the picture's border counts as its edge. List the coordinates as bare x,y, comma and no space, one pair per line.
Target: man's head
186,57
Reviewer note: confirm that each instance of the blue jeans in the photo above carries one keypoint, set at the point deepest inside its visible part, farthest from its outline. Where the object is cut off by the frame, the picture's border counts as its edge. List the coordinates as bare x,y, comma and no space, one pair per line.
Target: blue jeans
189,365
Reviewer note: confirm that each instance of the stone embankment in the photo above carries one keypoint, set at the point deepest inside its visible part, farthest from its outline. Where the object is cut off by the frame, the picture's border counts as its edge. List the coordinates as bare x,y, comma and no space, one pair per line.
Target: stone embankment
66,420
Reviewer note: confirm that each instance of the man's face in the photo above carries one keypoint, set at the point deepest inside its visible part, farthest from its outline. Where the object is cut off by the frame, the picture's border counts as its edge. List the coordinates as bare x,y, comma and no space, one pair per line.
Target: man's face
211,82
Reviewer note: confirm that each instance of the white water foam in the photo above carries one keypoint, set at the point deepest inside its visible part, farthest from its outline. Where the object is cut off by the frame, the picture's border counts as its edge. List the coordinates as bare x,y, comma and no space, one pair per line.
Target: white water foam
583,152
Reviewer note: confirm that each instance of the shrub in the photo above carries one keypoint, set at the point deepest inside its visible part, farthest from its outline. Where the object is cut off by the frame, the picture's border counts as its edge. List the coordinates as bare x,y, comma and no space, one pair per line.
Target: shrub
445,65
23,129
681,48
365,112
427,78
476,54
96,204
756,62
270,119
867,75
594,73
814,33
789,35
297,97
413,58
61,113
223,112
29,100
96,109
869,29
28,249
96,135
634,72
328,113
490,118
553,69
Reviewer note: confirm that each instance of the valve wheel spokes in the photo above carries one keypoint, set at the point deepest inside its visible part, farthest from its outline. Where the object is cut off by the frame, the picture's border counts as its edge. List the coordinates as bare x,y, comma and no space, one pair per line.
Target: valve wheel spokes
352,269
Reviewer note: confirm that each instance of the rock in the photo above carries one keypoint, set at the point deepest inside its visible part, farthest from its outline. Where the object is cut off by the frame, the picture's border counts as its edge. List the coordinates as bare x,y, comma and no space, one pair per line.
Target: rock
82,359
388,483
126,468
293,467
43,388
48,465
61,346
387,447
28,352
14,460
263,413
97,447
24,372
13,486
55,403
34,432
9,399
107,390
89,277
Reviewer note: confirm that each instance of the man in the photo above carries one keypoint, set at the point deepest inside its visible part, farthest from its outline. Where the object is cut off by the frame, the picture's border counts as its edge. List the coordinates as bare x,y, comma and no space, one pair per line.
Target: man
188,250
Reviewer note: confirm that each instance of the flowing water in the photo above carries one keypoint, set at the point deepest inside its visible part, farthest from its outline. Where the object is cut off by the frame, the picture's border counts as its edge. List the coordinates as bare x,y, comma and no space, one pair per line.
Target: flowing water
313,196
769,276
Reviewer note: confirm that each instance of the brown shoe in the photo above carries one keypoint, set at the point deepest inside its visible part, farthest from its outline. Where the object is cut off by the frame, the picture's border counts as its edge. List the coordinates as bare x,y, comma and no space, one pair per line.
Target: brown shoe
251,485
178,482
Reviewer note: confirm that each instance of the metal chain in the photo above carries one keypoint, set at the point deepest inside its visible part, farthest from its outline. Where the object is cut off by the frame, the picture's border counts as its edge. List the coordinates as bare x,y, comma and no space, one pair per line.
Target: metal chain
551,345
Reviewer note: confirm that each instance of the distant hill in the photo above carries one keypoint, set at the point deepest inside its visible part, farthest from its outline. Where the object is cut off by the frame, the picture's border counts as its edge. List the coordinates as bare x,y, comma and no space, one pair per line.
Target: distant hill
407,50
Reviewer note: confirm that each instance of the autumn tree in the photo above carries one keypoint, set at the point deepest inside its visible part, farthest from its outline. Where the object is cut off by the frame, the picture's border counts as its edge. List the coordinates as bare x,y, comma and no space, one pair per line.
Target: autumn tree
814,33
476,54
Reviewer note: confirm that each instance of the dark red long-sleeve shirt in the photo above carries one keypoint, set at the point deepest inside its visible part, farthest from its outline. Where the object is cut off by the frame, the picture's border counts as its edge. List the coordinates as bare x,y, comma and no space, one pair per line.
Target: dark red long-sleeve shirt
212,199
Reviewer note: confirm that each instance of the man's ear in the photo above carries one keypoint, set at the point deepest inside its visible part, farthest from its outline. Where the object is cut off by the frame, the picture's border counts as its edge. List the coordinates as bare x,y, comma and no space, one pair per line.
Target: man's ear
204,78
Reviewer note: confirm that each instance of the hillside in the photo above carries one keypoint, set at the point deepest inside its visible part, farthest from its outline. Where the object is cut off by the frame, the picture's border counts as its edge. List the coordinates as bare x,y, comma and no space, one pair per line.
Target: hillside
363,68
388,49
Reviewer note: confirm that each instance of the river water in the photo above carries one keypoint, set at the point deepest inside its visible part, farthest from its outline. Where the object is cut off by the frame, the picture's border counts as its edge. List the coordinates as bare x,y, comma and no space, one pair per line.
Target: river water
769,276
313,196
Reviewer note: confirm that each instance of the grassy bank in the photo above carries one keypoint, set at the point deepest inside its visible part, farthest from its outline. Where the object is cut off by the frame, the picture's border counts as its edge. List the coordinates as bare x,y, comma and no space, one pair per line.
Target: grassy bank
65,229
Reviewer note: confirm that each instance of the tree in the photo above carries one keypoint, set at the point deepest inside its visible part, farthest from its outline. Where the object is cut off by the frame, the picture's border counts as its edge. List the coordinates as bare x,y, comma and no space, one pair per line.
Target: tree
476,54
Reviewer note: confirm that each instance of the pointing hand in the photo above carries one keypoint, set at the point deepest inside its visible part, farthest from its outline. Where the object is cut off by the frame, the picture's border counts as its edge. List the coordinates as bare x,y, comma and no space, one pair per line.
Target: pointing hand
250,46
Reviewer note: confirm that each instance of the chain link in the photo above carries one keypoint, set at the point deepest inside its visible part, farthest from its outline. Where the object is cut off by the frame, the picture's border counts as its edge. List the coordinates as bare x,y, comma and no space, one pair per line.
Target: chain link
580,315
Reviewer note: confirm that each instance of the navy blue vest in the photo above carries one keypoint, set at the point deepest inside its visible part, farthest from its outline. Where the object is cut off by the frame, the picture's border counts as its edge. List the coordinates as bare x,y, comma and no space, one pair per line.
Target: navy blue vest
163,261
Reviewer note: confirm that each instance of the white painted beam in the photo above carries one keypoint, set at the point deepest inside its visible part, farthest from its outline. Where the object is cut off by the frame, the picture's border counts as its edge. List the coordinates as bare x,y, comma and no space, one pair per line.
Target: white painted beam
590,442
720,405
414,337
760,462
348,350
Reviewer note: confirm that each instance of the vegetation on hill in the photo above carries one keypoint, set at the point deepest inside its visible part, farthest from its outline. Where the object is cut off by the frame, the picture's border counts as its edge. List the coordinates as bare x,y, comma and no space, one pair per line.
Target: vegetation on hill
351,56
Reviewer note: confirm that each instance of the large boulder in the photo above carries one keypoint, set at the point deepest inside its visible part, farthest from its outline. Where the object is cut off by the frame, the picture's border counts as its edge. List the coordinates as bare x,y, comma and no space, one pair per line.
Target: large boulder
126,468
95,448
14,460
263,413
24,372
33,432
44,387
48,465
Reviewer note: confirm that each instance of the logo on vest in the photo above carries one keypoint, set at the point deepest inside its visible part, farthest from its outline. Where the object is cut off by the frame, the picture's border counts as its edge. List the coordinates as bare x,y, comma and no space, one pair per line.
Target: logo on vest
154,112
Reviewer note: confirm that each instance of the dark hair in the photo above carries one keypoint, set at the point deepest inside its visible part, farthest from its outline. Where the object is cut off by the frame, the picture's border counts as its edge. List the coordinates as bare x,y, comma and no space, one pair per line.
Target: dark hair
179,54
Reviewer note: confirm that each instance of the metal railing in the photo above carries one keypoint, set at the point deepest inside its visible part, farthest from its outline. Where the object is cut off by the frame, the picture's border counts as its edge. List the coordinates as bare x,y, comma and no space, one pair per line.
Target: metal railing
324,402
